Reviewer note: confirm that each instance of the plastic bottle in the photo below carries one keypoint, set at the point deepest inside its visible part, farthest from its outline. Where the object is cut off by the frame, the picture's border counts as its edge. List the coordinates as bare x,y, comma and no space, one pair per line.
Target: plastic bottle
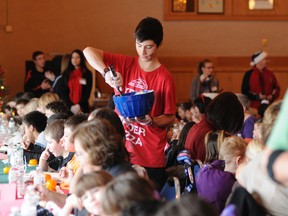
20,182
39,178
16,176
31,199
175,130
15,211
11,126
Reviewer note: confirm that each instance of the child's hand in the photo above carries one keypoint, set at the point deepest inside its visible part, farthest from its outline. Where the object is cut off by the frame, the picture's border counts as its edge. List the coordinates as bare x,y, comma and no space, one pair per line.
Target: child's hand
74,201
66,174
45,155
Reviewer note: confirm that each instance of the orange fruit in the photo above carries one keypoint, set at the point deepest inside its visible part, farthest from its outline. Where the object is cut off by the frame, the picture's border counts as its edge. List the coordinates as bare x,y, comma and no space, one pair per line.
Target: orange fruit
47,177
51,184
33,162
6,169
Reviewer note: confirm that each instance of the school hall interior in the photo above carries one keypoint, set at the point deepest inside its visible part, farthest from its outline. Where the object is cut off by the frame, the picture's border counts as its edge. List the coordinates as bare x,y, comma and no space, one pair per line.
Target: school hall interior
228,38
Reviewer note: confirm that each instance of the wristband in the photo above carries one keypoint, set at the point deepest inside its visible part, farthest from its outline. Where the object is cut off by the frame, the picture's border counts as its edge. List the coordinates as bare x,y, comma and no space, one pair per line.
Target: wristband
271,161
105,71
151,123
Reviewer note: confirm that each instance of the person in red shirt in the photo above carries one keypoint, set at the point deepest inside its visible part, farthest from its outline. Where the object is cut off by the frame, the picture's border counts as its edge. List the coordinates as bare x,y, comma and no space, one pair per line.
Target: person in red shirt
145,138
224,112
259,83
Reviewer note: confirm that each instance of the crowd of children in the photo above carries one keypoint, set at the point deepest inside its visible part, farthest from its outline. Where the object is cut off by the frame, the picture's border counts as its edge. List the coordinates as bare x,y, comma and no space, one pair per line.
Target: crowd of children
108,165
87,153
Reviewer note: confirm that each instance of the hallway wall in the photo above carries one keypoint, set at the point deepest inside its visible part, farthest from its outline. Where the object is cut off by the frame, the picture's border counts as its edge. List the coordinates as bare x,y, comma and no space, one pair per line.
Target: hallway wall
59,26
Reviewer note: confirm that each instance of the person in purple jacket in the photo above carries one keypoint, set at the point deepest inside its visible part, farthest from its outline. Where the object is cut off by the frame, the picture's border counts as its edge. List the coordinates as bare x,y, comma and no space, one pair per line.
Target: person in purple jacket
215,181
249,120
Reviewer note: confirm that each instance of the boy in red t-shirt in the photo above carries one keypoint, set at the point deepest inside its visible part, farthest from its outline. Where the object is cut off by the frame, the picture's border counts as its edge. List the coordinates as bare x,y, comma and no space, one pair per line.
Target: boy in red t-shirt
145,138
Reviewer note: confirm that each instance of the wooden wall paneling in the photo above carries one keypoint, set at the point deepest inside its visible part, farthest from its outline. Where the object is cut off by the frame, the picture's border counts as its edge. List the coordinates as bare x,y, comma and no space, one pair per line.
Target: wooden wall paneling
183,81
282,77
228,70
233,10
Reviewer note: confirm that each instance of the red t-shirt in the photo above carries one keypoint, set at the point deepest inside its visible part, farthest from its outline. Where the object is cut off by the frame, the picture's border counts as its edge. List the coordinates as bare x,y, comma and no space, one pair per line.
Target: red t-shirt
145,143
195,141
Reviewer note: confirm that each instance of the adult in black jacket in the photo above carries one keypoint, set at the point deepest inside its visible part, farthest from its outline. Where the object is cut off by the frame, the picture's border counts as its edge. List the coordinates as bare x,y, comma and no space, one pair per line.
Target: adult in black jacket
74,87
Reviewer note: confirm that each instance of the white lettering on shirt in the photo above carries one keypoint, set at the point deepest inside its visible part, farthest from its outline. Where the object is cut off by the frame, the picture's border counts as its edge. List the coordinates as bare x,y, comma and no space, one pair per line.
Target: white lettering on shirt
133,133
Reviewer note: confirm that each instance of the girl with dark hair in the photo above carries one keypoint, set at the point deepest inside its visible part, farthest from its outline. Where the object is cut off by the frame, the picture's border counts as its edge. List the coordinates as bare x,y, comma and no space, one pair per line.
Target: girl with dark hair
204,82
224,112
74,87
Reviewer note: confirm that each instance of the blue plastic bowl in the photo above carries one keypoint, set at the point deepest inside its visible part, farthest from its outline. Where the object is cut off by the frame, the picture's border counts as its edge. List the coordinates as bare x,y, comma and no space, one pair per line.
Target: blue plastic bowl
135,104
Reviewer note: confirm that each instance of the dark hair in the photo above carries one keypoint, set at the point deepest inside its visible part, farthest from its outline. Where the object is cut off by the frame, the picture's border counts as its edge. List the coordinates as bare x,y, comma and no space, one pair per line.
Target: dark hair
125,191
22,101
262,108
185,105
56,116
73,121
144,208
36,53
225,112
23,95
201,103
112,117
213,141
183,134
149,29
58,107
189,205
71,67
202,64
37,119
111,104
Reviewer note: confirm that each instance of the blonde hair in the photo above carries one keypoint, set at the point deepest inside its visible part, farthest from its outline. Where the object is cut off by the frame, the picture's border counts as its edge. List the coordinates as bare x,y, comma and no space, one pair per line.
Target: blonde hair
254,147
232,147
47,98
31,106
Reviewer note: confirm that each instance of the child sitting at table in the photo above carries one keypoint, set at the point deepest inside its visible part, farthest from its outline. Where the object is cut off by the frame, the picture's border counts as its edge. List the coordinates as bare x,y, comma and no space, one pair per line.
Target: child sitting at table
34,123
55,156
88,193
66,173
214,181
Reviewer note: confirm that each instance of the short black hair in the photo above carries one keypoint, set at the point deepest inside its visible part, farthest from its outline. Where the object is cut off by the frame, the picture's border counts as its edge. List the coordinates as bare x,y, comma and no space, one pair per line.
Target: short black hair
58,107
202,102
112,117
37,119
225,112
73,121
36,53
149,29
185,105
22,101
57,116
